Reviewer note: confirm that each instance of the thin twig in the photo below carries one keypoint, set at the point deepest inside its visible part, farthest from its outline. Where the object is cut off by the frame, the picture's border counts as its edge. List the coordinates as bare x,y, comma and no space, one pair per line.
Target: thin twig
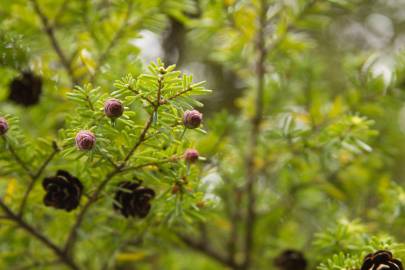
35,233
140,140
155,163
80,217
34,179
50,32
176,95
207,250
59,14
148,124
34,176
110,161
17,157
142,97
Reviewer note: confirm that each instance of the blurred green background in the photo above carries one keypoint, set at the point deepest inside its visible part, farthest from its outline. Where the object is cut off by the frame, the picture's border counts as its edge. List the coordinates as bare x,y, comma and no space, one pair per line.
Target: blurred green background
328,162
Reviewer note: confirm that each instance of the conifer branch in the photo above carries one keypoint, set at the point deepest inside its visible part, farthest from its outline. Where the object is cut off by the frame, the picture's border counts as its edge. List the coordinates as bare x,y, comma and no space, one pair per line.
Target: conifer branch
94,197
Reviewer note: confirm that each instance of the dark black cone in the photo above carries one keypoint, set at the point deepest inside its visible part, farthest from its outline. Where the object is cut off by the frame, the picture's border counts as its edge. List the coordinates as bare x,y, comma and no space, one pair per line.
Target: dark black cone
291,260
26,89
133,200
381,259
63,191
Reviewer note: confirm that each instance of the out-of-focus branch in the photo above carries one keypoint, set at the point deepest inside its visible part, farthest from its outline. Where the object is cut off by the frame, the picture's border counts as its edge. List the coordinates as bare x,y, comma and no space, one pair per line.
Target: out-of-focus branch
234,217
17,158
276,43
232,202
50,32
117,36
59,14
204,248
40,237
34,176
251,174
35,265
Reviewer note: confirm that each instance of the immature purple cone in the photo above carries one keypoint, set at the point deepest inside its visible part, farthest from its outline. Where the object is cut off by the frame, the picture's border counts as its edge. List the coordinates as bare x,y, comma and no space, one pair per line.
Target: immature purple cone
85,140
191,155
381,259
3,126
192,119
113,108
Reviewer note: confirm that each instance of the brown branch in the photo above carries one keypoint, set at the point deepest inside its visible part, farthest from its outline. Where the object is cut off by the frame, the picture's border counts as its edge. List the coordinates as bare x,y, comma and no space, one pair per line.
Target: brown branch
251,174
50,32
40,237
